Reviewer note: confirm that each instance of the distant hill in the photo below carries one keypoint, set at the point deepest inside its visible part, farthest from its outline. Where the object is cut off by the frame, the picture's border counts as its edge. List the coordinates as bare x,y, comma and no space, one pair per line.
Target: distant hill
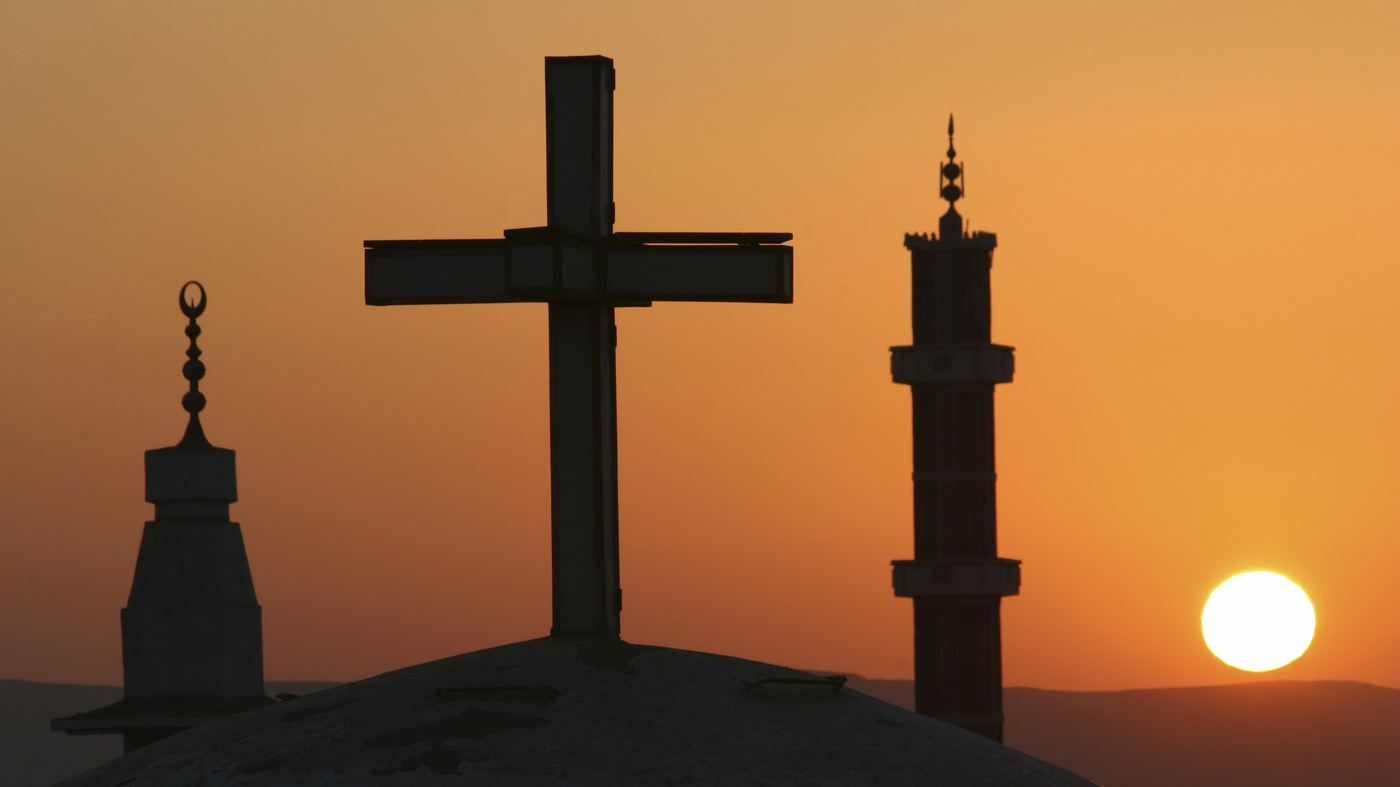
31,756
1279,734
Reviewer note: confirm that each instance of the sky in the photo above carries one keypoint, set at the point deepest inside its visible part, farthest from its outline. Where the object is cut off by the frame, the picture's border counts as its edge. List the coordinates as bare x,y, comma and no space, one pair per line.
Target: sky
1194,201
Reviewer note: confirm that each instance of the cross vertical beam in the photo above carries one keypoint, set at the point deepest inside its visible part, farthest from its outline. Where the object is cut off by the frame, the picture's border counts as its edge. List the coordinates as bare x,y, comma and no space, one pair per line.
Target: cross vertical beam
583,467
579,137
584,271
582,355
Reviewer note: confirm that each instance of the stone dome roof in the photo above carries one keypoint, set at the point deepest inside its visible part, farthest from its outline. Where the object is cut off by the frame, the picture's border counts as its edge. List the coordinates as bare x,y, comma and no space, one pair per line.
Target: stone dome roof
584,711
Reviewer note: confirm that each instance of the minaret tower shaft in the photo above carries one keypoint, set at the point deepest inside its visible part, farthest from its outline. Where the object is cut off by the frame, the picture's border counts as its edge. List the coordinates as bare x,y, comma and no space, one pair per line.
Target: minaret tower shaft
952,368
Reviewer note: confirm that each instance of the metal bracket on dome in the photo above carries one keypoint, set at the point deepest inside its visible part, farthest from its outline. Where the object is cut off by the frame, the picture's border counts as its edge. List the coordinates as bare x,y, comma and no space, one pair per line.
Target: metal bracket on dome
970,718
499,693
834,681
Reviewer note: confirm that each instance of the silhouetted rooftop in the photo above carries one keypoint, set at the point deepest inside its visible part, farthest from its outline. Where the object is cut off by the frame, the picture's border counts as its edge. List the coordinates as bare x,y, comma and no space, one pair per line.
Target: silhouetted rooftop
581,710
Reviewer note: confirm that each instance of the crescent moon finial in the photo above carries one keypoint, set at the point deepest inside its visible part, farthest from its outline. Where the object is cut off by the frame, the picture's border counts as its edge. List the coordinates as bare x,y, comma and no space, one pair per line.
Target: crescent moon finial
187,305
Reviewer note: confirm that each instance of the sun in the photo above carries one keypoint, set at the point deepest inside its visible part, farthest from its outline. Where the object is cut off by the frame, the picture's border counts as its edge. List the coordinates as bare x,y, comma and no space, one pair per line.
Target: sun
1258,621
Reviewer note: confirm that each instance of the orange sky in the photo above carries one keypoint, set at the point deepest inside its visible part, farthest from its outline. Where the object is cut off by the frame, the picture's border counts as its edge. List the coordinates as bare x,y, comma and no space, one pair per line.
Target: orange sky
1197,267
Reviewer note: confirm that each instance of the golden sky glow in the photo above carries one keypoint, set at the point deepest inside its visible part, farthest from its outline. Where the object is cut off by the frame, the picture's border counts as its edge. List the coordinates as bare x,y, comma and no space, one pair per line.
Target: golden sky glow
1197,265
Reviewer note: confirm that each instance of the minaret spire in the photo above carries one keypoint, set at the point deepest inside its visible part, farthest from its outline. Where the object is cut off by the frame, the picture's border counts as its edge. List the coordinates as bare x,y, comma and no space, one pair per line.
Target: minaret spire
956,579
950,176
193,401
192,626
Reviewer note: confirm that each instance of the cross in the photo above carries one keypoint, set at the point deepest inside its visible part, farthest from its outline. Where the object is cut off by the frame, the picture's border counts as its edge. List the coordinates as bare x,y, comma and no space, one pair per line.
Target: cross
583,270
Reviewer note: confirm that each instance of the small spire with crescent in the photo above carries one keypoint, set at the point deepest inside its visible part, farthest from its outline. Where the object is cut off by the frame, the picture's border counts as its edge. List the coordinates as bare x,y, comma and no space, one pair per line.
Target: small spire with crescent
951,180
193,401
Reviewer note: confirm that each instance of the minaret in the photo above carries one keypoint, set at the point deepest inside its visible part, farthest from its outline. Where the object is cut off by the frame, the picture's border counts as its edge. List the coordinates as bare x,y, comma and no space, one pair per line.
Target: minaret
955,578
192,627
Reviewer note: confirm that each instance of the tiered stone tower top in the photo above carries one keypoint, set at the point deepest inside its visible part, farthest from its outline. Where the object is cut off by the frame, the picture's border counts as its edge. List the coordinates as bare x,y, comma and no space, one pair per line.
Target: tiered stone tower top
192,627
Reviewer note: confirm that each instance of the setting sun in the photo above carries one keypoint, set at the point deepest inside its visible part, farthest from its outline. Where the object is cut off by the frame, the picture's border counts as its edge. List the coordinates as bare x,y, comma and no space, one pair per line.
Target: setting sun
1258,621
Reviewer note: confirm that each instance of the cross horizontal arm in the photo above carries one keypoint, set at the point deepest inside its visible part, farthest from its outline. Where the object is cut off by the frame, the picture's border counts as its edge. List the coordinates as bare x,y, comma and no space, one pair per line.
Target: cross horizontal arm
748,274
536,265
436,272
701,237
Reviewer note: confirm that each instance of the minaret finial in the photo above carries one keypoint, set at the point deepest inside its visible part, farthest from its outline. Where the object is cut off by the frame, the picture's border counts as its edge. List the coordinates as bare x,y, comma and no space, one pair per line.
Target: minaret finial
193,400
951,225
951,171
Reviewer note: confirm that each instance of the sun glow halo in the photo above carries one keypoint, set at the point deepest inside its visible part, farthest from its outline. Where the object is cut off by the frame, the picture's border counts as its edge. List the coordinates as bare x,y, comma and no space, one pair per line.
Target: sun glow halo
1258,621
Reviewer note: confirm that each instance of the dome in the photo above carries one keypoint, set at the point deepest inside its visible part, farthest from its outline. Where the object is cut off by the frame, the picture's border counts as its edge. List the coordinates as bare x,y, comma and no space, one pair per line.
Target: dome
580,711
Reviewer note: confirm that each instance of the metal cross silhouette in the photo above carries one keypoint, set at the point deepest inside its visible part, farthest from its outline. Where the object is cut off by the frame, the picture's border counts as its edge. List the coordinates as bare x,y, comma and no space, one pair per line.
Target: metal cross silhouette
583,270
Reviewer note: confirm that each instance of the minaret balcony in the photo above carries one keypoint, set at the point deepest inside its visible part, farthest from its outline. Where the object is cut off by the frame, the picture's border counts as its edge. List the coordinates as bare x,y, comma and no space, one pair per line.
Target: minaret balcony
990,576
952,363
